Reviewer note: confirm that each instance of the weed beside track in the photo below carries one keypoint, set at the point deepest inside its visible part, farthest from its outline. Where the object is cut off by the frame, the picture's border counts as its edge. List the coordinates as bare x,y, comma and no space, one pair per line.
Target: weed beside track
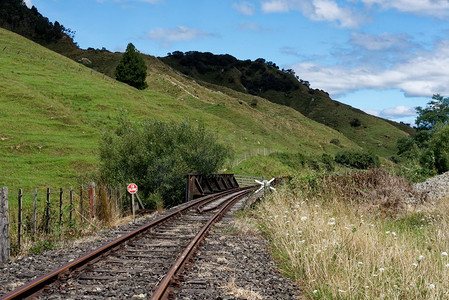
363,235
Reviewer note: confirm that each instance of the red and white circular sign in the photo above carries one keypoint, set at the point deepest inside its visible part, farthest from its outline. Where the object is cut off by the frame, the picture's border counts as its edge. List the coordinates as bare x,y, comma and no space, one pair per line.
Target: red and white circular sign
132,188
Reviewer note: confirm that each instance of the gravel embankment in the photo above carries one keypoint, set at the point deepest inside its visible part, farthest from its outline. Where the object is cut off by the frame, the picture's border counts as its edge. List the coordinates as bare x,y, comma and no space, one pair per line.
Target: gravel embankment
436,187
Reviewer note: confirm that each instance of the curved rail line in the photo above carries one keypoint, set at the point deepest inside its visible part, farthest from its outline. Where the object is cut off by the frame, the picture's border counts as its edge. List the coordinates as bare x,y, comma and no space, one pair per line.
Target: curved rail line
34,287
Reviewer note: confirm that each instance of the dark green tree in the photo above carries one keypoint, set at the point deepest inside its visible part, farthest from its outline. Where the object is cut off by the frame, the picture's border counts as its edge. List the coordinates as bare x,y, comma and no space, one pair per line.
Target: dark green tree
132,69
439,145
436,111
157,156
427,152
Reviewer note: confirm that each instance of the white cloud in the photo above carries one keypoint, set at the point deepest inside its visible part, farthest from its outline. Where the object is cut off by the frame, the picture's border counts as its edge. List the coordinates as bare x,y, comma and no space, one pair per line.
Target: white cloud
316,10
422,75
375,42
276,6
166,36
28,3
372,112
398,112
438,8
244,7
326,10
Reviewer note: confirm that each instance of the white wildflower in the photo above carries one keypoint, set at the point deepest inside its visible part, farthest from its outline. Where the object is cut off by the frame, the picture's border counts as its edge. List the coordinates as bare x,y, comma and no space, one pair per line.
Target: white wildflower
431,286
447,265
331,223
341,291
388,232
360,263
303,218
393,233
415,264
421,257
443,253
381,269
315,291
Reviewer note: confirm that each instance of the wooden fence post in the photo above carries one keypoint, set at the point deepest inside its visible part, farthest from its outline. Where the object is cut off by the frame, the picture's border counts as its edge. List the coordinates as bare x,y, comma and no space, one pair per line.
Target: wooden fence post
19,221
33,230
47,213
71,206
60,209
92,199
5,245
81,204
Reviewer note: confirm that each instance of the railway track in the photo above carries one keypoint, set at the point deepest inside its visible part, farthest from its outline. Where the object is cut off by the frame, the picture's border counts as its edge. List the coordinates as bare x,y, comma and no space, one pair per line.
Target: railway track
143,263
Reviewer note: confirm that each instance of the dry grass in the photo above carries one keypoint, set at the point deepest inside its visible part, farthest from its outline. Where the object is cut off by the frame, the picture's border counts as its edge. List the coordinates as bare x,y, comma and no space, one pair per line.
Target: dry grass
234,290
339,240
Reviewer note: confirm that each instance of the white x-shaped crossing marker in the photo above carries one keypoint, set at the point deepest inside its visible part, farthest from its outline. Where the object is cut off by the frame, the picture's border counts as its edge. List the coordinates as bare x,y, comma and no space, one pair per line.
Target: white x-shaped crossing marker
265,184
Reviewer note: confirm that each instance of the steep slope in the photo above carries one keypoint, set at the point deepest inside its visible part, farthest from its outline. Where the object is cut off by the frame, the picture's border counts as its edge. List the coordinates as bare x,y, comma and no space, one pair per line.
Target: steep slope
53,110
264,79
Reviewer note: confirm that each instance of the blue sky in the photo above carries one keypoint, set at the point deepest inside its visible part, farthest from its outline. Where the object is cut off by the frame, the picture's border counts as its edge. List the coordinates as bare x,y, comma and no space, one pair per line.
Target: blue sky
384,57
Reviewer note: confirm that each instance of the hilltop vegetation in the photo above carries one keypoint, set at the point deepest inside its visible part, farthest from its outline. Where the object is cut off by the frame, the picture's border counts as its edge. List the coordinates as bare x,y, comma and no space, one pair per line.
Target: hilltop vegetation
54,109
259,78
28,22
264,79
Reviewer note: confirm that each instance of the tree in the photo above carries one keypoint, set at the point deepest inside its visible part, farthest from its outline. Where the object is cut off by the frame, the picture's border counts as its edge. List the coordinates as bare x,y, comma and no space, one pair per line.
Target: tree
132,69
427,151
436,111
439,145
157,156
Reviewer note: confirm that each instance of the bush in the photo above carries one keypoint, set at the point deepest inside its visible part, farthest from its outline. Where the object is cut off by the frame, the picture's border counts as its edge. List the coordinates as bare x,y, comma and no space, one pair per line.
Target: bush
355,123
328,162
254,102
336,142
157,156
357,159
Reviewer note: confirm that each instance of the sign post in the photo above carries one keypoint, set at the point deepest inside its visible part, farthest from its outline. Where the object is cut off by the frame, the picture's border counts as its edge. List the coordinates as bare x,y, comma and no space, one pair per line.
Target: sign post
132,189
265,185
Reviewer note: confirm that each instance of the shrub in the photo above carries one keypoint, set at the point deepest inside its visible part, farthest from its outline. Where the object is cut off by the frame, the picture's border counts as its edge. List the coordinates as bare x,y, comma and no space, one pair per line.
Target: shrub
336,142
355,123
157,156
328,162
254,102
357,159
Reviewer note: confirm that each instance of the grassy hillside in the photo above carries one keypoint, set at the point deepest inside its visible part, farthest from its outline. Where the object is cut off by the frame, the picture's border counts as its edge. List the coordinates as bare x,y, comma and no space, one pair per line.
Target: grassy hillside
53,110
264,79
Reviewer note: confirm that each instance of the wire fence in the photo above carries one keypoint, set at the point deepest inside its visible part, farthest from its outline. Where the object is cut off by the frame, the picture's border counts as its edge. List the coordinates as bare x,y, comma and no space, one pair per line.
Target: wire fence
48,214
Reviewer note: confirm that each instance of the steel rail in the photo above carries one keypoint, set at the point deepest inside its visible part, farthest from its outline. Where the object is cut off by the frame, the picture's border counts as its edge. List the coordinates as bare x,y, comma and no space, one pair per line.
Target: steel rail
39,283
200,209
162,291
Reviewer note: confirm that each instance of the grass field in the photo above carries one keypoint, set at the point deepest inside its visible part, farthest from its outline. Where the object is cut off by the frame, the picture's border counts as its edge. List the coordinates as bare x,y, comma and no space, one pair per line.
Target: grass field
53,110
355,236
